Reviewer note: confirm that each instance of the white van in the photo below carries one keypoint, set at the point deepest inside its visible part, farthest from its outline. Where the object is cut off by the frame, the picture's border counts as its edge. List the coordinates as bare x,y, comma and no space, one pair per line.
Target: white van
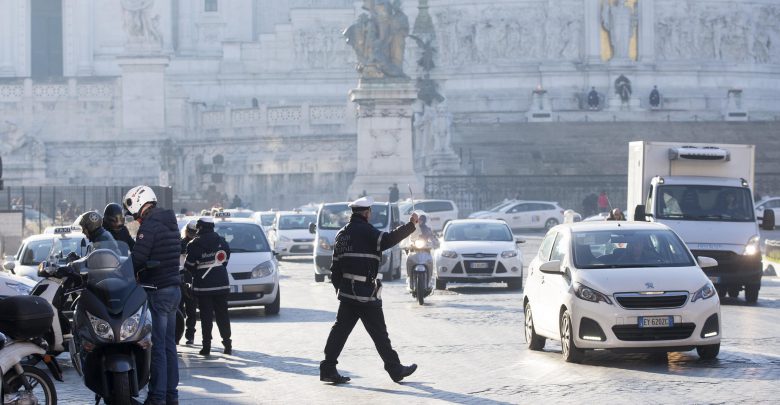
333,216
439,212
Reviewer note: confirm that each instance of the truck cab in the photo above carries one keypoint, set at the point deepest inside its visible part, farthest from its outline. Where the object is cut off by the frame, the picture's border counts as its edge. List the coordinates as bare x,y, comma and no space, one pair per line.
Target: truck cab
702,192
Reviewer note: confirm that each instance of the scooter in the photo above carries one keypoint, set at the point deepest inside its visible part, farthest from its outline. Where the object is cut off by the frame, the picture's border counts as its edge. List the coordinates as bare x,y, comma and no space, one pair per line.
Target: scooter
23,321
112,325
419,268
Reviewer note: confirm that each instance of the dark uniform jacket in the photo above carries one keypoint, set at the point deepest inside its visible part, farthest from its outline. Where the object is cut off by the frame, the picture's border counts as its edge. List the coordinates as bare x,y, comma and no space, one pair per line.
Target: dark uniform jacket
208,277
356,257
158,239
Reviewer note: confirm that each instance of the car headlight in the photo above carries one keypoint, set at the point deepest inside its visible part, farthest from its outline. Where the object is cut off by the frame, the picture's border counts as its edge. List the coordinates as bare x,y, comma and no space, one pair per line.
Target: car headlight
449,254
752,246
508,254
707,291
22,289
419,243
283,238
131,325
325,244
588,294
264,269
102,328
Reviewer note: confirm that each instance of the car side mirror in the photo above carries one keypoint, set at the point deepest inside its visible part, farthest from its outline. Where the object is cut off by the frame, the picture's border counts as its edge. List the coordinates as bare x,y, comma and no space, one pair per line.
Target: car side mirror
705,261
312,228
768,223
9,265
551,267
519,241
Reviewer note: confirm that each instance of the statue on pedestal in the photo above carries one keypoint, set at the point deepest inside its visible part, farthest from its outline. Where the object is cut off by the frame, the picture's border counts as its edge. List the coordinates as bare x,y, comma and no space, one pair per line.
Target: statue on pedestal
619,20
141,26
379,39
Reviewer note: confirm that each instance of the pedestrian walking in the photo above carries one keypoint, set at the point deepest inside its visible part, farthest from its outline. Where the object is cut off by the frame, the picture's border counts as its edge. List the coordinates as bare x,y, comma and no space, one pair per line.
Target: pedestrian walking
189,303
158,240
603,202
207,258
394,194
356,256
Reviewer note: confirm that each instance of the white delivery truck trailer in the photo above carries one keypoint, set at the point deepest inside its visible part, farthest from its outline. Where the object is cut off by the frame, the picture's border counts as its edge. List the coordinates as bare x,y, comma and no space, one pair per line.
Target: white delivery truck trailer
703,192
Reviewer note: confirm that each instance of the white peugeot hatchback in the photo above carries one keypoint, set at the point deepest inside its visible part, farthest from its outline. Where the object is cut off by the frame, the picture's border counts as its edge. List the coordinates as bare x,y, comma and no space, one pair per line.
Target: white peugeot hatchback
626,286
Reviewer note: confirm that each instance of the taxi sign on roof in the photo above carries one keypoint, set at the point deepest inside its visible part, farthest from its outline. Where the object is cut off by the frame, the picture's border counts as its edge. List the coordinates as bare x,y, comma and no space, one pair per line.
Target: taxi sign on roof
61,230
221,214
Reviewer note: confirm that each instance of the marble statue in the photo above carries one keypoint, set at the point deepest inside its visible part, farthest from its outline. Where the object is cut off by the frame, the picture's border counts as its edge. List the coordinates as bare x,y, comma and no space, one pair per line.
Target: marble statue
140,25
619,20
379,39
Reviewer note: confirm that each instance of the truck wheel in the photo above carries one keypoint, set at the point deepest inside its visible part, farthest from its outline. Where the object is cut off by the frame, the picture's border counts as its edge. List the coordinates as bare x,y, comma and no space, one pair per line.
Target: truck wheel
319,277
733,291
708,352
751,293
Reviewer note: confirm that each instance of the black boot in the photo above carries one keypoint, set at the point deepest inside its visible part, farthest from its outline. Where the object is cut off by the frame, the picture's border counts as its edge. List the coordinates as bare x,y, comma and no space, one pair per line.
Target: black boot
404,371
206,350
331,375
228,346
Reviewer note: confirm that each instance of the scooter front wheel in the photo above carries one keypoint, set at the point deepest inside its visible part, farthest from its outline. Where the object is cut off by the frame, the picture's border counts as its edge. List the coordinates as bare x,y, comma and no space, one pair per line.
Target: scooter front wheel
120,394
420,279
33,386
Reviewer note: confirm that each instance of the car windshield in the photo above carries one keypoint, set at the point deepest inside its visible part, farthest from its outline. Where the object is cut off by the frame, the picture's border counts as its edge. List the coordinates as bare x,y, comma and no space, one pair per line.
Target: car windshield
335,216
267,219
504,204
287,222
36,251
478,231
240,214
243,238
629,248
704,203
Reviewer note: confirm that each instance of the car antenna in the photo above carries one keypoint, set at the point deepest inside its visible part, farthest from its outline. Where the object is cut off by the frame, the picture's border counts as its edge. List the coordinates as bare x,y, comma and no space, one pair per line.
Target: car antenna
411,196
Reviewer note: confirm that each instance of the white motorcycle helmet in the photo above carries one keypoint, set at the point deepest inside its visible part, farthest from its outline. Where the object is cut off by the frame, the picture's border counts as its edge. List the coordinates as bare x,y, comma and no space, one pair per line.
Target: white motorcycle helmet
137,197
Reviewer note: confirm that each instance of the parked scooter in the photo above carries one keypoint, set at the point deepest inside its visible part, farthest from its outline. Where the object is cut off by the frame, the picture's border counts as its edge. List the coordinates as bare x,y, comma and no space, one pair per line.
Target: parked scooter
419,262
23,321
111,345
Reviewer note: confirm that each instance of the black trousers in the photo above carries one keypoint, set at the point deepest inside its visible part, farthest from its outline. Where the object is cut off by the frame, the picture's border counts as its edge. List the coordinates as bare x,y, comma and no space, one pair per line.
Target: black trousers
374,321
189,306
211,306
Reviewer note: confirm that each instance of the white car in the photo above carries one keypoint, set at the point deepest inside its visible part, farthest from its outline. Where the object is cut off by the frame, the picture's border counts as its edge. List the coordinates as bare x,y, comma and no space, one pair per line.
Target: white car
588,292
265,219
253,270
478,250
240,212
768,203
37,248
289,234
496,208
439,212
527,214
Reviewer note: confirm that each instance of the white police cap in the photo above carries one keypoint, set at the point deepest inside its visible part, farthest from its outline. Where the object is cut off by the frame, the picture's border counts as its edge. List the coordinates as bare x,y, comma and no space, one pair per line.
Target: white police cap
208,220
363,202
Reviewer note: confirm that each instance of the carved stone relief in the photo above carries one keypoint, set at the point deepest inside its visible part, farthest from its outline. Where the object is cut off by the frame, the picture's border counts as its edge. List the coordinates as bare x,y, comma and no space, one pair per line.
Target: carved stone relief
321,47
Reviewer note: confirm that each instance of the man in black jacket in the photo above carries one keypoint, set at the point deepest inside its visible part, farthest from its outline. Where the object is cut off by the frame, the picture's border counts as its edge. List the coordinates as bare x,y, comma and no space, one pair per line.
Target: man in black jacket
114,222
207,258
356,256
189,304
92,225
158,240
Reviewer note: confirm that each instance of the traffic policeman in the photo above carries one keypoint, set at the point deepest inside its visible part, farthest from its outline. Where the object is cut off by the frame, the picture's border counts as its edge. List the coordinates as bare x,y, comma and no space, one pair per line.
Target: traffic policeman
356,257
189,303
114,222
207,258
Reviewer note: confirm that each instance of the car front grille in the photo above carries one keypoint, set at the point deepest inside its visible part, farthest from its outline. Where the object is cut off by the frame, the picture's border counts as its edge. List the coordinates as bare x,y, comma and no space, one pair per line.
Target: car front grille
303,240
479,255
633,333
242,276
491,264
644,301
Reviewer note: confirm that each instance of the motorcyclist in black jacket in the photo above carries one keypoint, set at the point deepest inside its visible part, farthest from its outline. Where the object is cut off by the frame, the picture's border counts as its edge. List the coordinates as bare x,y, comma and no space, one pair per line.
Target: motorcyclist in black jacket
91,224
114,222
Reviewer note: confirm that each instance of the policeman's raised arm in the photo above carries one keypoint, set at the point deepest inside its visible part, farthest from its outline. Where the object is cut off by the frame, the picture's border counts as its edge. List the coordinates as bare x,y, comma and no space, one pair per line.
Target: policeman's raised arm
394,237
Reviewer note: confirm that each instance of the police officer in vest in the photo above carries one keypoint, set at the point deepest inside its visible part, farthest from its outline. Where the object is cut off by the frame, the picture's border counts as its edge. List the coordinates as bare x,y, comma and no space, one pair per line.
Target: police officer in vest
356,257
207,258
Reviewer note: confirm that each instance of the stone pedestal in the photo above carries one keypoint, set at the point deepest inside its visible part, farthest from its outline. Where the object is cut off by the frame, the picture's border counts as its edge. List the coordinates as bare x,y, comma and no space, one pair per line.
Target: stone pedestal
616,104
384,138
444,163
541,108
734,110
143,94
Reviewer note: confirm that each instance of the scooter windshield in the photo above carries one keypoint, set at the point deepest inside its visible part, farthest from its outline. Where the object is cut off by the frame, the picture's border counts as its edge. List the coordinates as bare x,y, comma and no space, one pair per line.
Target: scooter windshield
105,262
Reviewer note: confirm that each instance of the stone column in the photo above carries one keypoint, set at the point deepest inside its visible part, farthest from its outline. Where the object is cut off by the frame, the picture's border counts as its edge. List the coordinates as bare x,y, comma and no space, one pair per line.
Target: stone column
7,38
86,34
592,31
646,40
384,138
143,95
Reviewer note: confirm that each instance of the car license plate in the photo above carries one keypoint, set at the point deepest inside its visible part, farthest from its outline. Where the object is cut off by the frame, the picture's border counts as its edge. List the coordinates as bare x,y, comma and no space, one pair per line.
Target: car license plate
655,321
234,288
715,280
479,265
306,247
